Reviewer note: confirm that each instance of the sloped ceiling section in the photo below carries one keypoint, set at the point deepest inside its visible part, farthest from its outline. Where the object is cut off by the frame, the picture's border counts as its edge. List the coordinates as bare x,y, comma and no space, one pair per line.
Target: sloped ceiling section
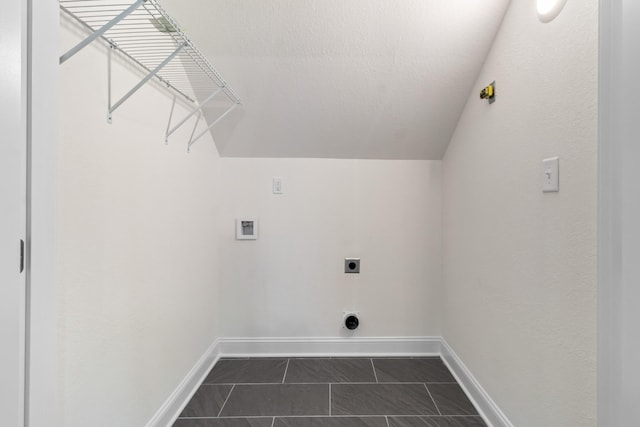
365,79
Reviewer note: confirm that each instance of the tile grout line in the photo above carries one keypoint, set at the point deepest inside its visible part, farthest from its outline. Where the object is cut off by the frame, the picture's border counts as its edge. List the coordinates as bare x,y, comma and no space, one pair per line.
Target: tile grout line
251,417
329,399
433,400
374,369
285,371
225,401
349,382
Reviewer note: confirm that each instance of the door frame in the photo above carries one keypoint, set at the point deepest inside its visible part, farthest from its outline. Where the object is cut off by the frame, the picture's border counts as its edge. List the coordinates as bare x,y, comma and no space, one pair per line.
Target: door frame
618,230
41,385
13,171
607,291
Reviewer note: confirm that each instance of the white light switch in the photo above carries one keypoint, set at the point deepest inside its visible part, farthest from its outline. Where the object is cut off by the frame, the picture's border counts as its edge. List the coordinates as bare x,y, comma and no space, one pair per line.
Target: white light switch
551,175
277,185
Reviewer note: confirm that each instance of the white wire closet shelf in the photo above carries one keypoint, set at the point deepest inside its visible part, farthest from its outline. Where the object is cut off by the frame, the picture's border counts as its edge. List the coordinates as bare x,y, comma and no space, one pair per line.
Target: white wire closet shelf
146,35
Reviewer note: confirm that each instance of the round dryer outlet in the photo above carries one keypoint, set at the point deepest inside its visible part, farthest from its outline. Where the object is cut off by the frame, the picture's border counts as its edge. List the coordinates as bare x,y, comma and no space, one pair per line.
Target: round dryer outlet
351,320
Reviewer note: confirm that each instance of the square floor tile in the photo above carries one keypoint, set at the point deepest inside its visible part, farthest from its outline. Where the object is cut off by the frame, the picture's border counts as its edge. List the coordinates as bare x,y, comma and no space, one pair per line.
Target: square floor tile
451,399
247,371
436,422
431,369
331,422
277,400
330,371
207,401
223,422
381,399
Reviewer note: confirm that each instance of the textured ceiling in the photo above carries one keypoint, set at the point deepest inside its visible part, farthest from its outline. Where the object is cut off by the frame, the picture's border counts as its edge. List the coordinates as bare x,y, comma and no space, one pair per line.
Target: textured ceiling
376,79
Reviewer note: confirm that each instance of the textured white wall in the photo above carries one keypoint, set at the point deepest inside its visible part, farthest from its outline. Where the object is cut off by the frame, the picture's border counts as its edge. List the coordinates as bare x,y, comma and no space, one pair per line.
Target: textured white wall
519,265
395,74
291,281
137,247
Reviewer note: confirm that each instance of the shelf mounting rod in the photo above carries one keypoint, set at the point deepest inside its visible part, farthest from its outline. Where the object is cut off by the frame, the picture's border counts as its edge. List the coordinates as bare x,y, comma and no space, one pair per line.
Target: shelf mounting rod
195,110
195,126
146,79
193,140
173,105
98,33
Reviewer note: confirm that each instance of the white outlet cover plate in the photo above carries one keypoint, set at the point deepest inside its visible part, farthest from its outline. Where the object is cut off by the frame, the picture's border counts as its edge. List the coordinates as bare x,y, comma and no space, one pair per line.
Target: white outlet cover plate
551,175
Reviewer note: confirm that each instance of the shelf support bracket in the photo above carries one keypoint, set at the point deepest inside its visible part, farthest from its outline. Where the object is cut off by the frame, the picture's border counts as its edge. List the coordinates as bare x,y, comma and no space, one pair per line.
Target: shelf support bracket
194,111
195,126
193,140
98,33
144,80
109,53
173,105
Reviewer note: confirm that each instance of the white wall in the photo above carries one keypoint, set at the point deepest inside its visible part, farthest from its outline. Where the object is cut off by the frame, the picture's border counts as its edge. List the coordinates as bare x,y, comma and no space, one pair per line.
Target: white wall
137,247
619,232
291,281
519,269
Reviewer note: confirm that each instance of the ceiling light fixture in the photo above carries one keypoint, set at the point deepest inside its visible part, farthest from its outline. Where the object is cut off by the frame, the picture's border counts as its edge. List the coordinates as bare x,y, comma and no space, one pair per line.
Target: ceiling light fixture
549,9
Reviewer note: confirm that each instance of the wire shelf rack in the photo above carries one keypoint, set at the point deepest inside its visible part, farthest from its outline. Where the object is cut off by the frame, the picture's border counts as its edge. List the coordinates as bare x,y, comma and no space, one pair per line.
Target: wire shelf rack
145,33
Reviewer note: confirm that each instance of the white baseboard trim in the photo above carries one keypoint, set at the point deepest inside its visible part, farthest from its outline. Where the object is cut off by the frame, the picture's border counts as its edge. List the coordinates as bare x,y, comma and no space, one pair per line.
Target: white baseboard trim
329,347
175,403
491,413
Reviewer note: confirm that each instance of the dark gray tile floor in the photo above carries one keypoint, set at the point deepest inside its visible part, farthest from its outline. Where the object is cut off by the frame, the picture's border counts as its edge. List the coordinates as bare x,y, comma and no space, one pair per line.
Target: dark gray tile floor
330,392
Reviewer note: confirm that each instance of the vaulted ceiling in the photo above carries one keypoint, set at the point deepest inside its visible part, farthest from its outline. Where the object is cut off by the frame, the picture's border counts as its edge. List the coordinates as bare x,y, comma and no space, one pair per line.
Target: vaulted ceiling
380,79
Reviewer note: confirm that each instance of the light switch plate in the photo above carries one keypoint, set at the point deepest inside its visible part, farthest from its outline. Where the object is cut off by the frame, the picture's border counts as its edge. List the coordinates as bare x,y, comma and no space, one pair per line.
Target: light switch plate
277,185
551,175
